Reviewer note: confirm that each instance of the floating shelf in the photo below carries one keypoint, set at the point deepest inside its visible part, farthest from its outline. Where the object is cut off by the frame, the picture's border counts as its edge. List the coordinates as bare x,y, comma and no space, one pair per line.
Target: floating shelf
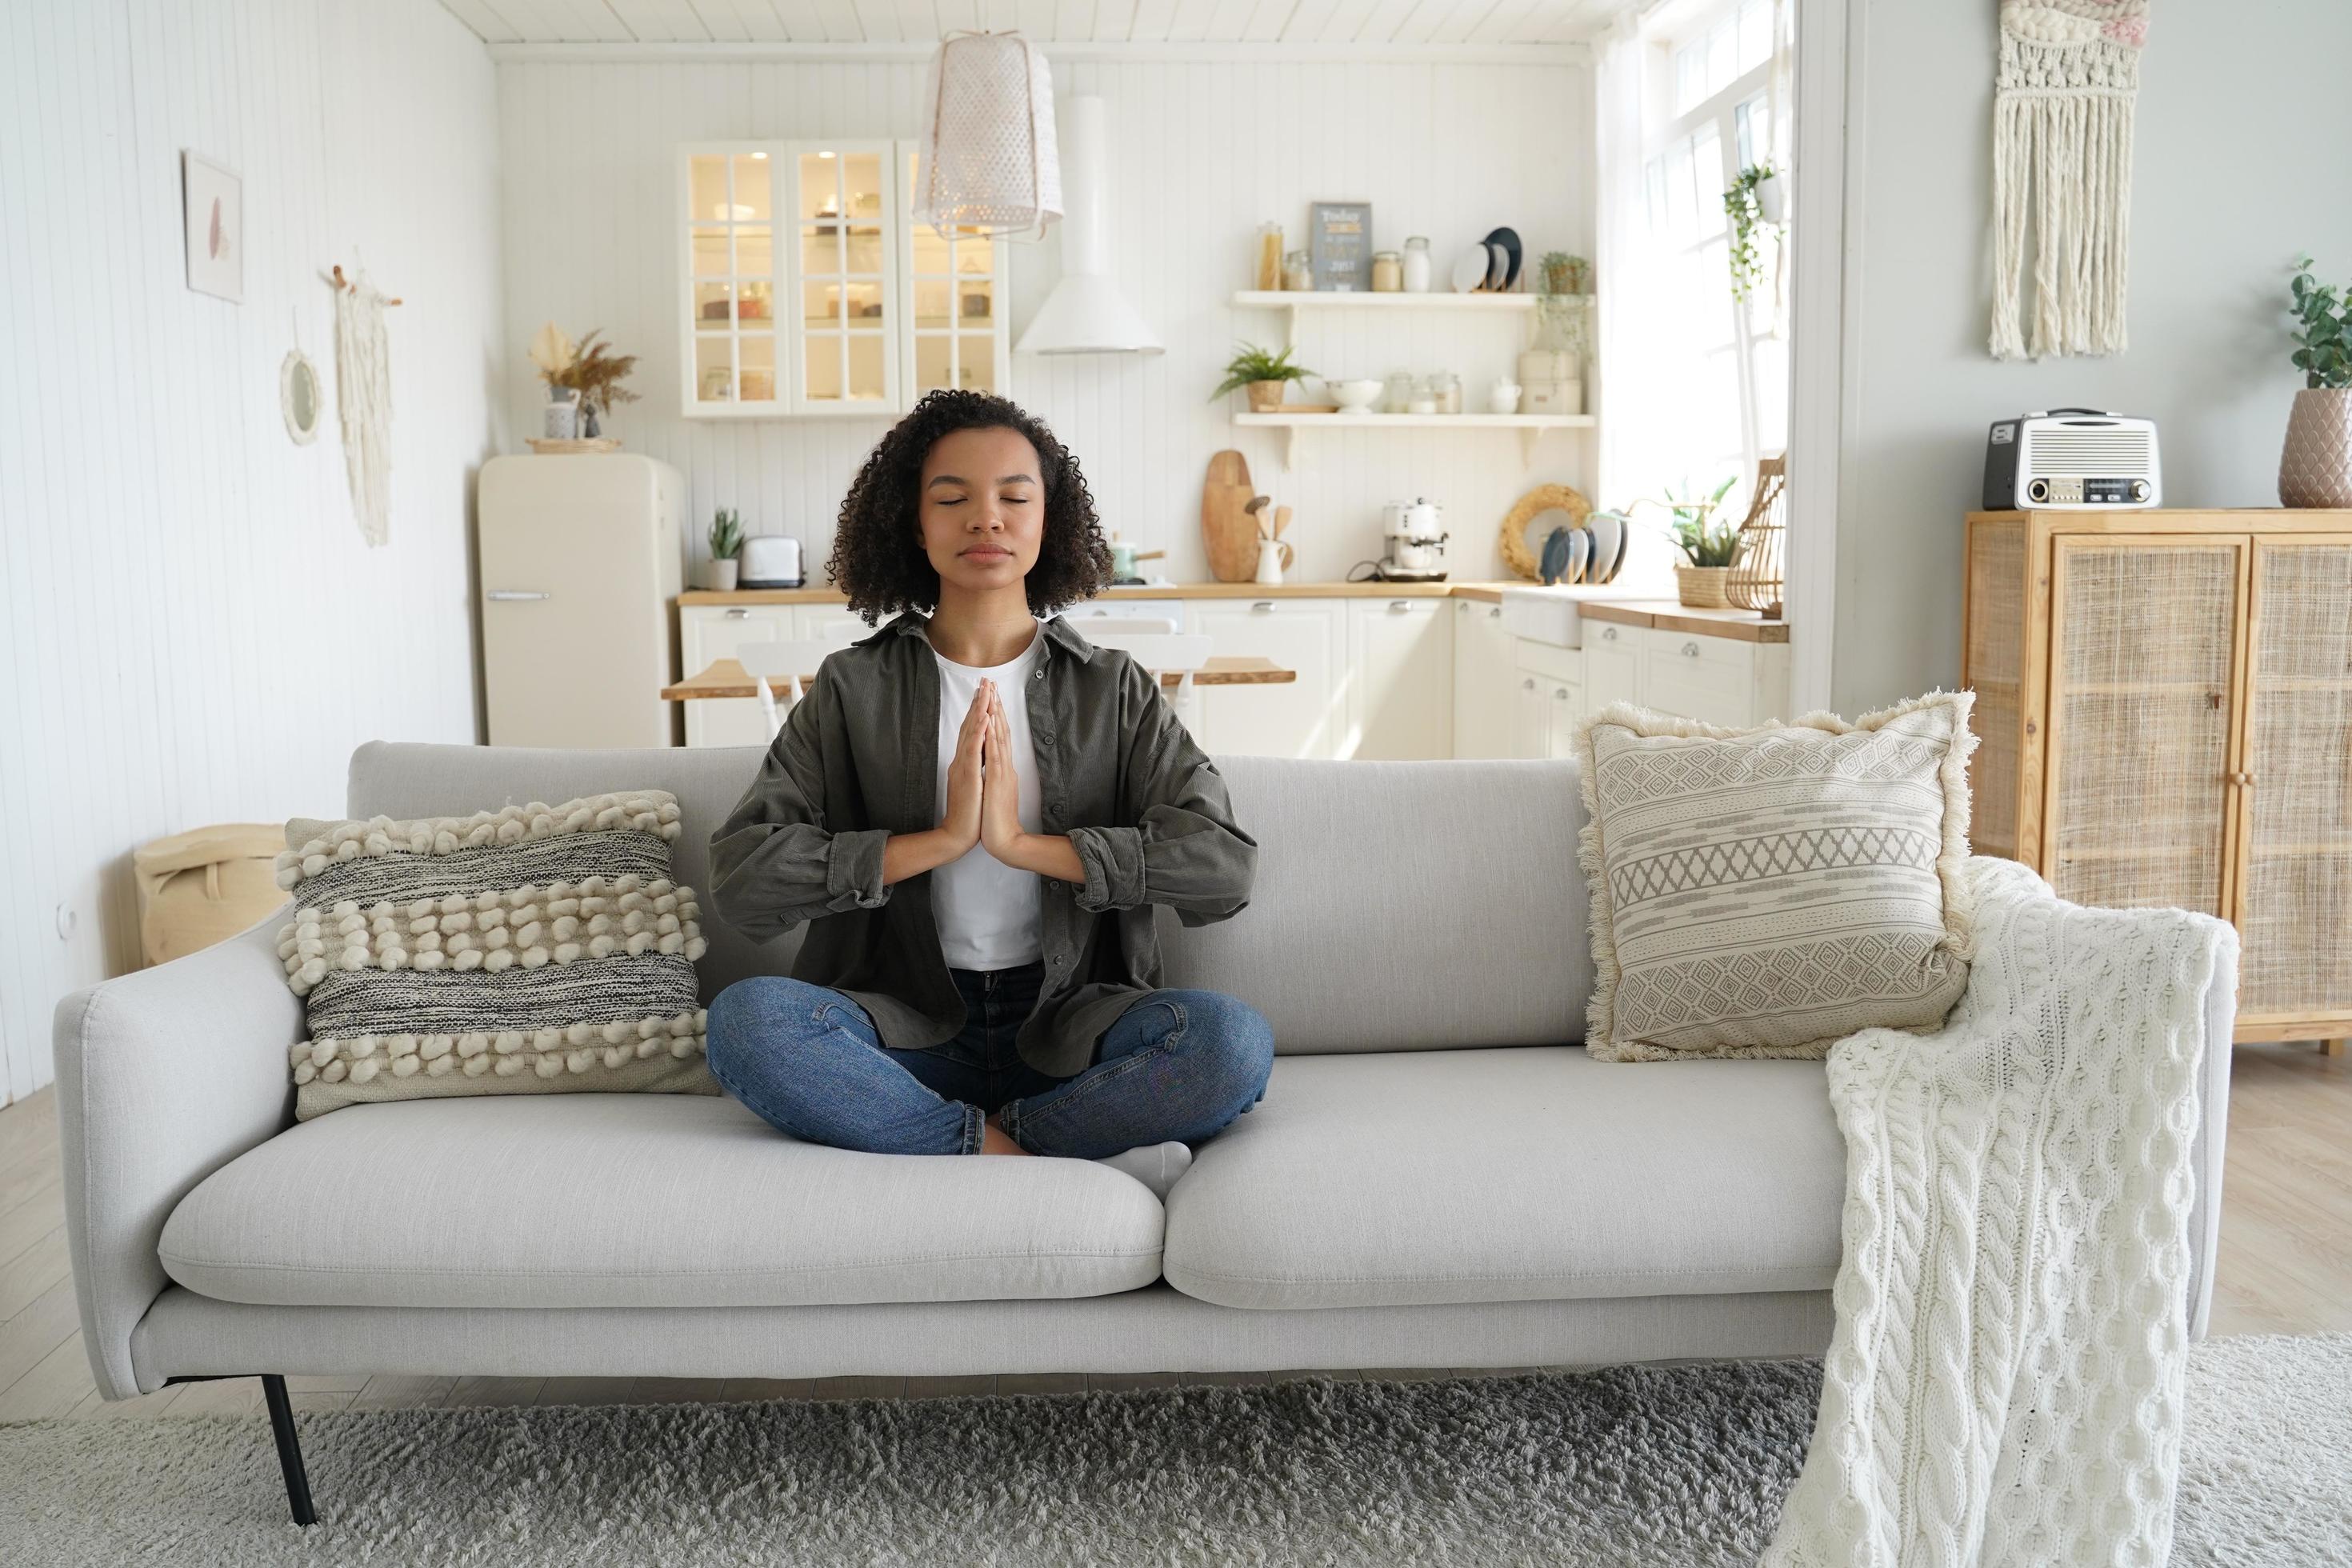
1290,303
1530,427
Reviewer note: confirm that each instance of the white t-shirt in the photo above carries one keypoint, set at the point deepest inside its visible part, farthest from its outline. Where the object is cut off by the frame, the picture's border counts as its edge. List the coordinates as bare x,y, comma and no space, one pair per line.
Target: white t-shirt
987,911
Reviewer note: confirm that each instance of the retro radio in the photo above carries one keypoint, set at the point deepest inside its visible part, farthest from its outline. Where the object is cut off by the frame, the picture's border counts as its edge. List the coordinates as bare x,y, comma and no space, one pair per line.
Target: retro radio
2071,459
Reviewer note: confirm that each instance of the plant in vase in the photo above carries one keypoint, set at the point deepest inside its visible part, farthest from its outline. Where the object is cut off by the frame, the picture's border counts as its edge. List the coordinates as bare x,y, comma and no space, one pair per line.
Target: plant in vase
726,541
1711,551
1563,273
2316,465
1753,202
554,353
1267,375
596,374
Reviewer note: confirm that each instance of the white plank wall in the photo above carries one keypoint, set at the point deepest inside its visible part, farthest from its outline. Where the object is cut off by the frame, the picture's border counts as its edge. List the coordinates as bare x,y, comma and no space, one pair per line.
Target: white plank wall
194,631
1201,153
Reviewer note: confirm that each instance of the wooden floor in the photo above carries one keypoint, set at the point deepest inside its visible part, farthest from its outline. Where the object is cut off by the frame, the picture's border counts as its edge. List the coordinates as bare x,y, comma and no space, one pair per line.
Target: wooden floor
2286,1268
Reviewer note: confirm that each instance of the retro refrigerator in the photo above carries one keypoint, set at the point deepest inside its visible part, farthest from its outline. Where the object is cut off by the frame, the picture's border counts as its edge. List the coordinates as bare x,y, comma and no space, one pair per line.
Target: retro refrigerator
581,561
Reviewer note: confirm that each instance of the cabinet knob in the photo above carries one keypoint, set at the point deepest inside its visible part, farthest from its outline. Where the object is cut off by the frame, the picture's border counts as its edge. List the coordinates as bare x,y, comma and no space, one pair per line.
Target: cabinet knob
1528,684
1261,606
2242,778
1608,634
1690,650
739,614
1559,693
1494,612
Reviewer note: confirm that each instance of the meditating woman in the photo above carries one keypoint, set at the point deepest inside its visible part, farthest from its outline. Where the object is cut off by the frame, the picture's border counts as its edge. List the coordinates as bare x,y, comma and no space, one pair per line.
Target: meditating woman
974,808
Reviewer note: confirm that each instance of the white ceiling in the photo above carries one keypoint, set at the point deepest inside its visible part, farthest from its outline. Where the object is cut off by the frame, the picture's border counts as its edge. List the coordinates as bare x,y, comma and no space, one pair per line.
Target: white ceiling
1320,23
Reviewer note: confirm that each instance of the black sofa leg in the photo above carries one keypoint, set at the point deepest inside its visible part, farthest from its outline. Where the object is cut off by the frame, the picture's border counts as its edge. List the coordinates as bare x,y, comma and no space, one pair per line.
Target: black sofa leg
289,1447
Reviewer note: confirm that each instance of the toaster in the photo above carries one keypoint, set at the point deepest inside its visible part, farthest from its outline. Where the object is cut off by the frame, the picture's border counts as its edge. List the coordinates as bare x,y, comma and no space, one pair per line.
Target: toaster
769,561
2071,459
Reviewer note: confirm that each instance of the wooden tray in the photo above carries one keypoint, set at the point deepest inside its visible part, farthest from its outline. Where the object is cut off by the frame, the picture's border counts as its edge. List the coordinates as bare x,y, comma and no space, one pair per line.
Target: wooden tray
547,448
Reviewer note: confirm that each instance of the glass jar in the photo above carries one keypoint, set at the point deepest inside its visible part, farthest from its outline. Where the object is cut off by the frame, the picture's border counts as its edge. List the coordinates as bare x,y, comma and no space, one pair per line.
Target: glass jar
1424,397
1446,390
1416,265
1388,272
1299,273
1268,276
1397,398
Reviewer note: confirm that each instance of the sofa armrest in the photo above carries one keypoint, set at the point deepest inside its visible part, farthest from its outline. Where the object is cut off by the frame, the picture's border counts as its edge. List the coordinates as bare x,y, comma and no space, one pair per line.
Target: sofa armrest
2212,1129
164,1076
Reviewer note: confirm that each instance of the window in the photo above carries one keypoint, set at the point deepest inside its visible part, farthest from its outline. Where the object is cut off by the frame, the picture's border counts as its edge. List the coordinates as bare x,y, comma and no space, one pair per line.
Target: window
1729,359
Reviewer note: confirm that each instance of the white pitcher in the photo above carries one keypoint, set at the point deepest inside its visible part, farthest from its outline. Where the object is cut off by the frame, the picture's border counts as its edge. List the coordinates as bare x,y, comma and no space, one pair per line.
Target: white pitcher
1273,555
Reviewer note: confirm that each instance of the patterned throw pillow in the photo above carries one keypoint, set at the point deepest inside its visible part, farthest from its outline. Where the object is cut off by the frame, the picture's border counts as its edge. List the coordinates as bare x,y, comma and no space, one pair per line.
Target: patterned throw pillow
538,949
1766,892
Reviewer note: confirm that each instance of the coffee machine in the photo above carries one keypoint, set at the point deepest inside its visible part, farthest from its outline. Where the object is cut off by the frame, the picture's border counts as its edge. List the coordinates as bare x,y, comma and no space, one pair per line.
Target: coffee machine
1416,539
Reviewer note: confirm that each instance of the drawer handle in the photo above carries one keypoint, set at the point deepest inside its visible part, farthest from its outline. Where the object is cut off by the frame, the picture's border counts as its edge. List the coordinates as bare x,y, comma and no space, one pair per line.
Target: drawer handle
1559,694
1494,612
1690,650
1608,634
739,614
1528,684
510,596
1399,607
1262,606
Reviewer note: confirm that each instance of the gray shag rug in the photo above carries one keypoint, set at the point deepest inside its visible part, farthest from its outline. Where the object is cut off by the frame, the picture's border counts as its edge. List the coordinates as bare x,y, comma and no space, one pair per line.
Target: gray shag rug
1654,1466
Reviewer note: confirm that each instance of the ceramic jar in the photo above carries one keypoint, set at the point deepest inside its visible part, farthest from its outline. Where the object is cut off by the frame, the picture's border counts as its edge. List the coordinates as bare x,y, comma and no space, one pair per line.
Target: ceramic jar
1416,265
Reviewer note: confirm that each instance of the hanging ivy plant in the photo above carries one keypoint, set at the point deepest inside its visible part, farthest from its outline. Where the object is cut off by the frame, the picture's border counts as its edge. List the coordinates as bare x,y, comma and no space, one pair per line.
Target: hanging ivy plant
1742,205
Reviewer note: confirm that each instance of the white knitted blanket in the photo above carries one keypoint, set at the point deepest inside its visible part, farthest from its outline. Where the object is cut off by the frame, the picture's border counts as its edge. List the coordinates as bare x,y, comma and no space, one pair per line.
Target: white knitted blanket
2004,1382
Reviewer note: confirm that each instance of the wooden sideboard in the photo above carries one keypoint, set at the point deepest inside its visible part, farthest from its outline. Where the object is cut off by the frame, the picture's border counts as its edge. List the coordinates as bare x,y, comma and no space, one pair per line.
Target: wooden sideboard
2164,709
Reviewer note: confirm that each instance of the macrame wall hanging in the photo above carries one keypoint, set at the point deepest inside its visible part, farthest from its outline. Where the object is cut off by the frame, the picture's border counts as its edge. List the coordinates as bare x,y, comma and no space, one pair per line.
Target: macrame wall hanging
363,394
2062,159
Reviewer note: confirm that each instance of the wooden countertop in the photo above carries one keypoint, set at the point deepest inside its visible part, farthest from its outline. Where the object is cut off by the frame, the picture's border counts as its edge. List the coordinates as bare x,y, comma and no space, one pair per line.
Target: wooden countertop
1739,626
725,678
1489,592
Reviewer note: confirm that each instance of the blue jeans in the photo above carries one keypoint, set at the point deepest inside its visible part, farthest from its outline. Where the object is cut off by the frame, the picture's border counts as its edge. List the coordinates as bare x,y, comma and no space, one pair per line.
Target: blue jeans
1176,1064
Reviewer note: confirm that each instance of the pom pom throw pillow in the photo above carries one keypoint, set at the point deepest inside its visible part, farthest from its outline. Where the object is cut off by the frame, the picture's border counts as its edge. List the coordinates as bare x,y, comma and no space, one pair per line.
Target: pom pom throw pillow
1766,892
539,949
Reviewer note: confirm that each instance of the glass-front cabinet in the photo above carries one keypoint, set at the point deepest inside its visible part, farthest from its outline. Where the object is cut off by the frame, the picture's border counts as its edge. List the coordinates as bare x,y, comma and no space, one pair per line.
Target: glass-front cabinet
810,291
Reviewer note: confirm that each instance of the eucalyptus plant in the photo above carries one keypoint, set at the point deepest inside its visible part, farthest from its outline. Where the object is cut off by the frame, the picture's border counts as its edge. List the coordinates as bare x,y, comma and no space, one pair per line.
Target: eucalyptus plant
2324,354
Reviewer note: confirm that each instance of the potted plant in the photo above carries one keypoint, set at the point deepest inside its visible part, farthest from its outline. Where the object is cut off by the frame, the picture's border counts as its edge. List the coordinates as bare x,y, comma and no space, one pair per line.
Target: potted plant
726,539
1711,551
1267,375
1563,273
1756,199
2316,465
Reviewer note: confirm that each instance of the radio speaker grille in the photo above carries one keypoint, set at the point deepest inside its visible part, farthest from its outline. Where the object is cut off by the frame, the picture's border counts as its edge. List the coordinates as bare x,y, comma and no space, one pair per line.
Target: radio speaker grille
2095,453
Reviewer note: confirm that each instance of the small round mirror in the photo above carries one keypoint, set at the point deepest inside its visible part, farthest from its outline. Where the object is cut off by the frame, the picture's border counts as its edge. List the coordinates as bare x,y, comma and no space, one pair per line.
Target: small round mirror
298,396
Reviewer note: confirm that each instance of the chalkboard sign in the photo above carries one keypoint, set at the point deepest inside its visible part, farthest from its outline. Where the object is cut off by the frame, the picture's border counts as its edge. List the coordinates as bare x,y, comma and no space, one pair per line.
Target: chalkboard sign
1339,245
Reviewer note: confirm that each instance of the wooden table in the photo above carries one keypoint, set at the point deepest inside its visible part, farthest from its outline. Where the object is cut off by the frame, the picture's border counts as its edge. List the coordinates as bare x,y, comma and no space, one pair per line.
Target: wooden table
725,678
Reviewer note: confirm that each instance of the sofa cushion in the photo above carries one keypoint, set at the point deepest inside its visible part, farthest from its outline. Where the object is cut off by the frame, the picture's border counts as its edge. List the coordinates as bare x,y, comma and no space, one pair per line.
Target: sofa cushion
1534,1173
633,1200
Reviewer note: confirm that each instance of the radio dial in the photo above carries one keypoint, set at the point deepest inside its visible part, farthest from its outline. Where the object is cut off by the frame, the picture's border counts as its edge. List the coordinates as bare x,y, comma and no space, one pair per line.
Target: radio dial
2038,490
2140,490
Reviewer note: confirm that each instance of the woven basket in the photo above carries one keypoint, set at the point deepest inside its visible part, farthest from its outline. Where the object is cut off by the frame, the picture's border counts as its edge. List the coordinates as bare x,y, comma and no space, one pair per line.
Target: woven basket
1702,587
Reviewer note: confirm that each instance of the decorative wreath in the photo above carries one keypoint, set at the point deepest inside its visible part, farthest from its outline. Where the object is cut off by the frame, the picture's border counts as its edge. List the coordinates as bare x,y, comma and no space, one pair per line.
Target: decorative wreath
1532,505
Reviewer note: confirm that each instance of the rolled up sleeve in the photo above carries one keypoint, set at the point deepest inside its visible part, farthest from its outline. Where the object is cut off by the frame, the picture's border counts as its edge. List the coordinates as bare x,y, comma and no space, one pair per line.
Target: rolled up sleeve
1185,850
773,864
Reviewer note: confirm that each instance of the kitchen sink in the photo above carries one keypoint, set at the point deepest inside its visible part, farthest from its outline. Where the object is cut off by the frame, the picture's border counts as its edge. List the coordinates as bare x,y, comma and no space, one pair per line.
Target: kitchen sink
1555,614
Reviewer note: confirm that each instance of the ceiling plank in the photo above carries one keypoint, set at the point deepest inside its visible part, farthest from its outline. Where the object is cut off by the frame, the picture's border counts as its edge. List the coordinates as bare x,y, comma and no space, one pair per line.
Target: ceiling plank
486,23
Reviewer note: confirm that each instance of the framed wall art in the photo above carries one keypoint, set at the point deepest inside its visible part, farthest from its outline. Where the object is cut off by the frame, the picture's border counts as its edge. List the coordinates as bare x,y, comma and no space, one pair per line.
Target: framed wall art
1339,246
213,199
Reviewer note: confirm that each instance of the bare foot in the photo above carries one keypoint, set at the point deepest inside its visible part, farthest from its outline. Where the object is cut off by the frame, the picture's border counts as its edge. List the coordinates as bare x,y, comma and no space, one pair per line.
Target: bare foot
996,1140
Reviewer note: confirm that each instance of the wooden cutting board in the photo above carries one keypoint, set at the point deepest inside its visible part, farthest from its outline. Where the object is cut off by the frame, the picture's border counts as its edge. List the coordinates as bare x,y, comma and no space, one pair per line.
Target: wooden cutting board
1227,529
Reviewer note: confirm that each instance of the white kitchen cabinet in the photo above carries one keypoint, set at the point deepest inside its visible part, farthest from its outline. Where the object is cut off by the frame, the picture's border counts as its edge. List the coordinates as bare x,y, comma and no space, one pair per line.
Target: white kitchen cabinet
808,290
1612,664
1485,713
1304,718
706,633
1547,683
1400,677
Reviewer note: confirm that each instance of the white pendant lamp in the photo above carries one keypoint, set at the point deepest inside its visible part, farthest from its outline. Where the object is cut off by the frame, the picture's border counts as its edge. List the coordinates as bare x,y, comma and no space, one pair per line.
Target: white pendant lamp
987,159
1087,313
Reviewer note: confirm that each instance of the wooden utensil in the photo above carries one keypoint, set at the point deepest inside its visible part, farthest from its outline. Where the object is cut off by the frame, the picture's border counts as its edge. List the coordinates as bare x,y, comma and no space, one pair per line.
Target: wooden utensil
1228,526
1281,519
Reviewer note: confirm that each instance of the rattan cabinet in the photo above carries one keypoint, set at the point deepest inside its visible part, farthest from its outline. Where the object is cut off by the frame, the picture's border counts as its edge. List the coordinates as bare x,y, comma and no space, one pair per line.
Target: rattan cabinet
2164,714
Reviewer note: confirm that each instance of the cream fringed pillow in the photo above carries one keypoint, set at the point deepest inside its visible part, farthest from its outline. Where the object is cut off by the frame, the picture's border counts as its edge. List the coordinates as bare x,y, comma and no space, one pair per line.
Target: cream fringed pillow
1766,892
539,949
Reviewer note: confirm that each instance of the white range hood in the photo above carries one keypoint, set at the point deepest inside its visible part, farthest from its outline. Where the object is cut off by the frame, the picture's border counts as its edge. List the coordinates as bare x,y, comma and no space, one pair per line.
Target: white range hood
1087,313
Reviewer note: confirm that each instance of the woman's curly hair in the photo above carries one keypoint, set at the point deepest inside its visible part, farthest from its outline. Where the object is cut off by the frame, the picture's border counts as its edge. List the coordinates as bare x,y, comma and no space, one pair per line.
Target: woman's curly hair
877,557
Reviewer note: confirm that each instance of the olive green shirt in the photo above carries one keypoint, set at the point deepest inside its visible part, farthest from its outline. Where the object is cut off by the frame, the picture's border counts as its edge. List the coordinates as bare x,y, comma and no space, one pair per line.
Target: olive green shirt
857,761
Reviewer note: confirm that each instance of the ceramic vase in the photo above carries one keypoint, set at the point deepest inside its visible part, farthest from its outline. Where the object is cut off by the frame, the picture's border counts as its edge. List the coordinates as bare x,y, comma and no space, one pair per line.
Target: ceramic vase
2315,466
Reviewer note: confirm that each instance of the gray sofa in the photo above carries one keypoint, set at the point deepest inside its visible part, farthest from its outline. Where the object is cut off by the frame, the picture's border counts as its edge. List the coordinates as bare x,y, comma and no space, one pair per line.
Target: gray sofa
1438,1175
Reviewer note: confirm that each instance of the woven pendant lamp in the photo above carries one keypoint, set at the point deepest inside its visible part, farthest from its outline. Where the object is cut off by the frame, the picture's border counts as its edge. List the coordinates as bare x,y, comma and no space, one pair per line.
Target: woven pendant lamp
987,159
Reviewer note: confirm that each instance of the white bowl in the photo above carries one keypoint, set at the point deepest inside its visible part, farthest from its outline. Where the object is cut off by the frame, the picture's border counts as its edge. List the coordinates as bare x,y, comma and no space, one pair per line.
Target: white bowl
1354,396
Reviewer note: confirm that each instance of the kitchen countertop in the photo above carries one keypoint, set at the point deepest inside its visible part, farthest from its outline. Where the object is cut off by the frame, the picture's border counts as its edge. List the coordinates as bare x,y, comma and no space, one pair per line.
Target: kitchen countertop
1741,626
